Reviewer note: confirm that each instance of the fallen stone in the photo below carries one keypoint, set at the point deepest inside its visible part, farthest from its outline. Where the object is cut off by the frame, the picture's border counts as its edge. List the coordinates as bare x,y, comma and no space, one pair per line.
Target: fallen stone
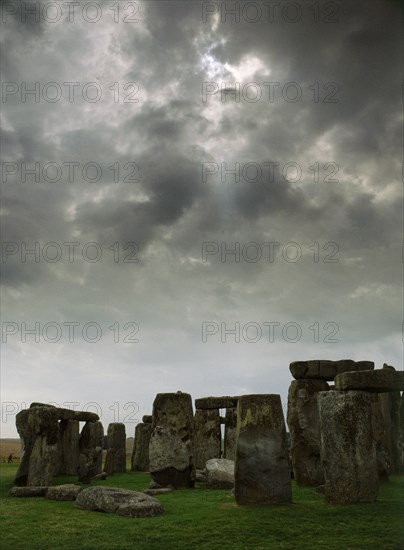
102,476
123,502
154,485
220,473
304,426
200,476
216,402
26,492
262,472
326,370
68,491
380,380
348,451
160,491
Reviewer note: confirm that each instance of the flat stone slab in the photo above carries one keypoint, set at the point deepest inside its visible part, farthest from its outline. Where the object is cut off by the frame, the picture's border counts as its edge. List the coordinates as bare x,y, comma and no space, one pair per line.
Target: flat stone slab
26,492
379,381
123,502
68,414
216,402
69,491
322,369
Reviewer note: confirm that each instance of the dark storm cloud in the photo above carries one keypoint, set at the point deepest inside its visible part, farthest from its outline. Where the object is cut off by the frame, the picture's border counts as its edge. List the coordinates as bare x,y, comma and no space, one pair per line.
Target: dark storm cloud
170,211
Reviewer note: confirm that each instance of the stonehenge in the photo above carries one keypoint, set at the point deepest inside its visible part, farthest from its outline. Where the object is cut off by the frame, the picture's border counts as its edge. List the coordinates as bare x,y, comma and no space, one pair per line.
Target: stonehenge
345,421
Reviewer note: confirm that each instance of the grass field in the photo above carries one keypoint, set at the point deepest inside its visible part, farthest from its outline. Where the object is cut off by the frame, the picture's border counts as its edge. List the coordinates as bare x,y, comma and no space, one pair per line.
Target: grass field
197,518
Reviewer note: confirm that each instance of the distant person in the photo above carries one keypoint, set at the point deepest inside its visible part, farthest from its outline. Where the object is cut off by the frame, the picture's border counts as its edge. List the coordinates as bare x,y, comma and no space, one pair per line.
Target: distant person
10,458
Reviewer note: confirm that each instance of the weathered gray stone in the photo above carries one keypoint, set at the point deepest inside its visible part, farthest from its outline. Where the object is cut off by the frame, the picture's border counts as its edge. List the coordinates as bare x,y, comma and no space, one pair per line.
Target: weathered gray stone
304,428
140,454
200,476
27,436
119,501
171,448
390,406
380,380
262,473
69,434
348,451
321,369
90,443
216,402
27,492
69,491
380,436
230,433
48,447
69,414
220,473
115,461
147,419
207,436
44,458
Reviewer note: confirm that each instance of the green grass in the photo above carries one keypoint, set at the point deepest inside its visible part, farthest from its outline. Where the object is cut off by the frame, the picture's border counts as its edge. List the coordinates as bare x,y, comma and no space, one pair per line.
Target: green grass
197,518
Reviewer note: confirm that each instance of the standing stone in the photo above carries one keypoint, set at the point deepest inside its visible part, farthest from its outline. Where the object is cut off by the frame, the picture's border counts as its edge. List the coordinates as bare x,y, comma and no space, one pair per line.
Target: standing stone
391,405
380,436
304,427
140,455
48,447
39,430
69,433
115,461
171,449
90,443
401,438
230,433
262,473
207,436
27,436
348,451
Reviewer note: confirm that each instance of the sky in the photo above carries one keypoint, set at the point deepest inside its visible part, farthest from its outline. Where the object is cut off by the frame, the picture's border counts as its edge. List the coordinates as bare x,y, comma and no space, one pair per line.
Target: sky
194,195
